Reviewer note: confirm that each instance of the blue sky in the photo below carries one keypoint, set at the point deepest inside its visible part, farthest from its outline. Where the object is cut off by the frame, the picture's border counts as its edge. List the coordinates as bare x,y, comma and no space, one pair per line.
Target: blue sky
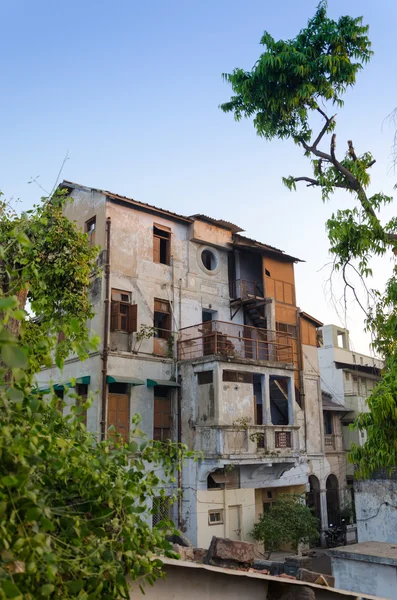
131,91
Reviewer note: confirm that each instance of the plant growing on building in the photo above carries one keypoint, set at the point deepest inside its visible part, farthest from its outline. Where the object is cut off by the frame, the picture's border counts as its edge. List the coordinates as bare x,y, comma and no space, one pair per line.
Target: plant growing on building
73,512
146,332
293,83
287,521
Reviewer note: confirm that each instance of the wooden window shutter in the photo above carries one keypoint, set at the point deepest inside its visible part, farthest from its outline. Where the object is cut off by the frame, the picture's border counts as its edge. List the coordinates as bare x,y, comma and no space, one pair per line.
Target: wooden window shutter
132,318
156,249
114,319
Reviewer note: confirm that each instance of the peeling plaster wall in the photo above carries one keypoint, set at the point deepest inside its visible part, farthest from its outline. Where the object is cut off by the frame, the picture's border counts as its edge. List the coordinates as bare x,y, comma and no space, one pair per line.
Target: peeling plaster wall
313,403
376,521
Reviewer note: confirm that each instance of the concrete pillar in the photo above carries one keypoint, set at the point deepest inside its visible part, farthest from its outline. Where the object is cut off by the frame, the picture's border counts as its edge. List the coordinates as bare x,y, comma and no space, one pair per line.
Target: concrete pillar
265,391
291,401
324,515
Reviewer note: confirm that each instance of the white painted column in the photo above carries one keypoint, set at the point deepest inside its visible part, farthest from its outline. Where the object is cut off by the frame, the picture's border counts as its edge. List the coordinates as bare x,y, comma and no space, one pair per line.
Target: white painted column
291,401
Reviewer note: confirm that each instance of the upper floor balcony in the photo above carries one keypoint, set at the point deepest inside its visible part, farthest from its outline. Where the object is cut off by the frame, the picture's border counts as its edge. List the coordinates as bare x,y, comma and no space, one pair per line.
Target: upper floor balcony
251,441
231,340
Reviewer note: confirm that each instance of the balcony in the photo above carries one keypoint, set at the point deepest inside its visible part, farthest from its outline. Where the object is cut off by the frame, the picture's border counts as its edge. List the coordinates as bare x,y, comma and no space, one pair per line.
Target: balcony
244,289
329,442
230,340
254,441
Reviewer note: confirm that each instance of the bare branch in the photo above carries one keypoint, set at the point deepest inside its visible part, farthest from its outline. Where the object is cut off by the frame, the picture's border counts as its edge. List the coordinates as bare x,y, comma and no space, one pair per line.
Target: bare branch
324,129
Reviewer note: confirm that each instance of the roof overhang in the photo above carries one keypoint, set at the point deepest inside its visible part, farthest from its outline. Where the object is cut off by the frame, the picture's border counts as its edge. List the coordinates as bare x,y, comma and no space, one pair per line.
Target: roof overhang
369,370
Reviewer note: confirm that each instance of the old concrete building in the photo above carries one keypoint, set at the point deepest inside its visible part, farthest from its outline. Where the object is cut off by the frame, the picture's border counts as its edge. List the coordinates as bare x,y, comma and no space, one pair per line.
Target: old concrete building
202,337
347,379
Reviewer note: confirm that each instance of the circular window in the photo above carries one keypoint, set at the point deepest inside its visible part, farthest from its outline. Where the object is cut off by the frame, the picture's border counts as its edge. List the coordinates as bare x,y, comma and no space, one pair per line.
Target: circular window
209,260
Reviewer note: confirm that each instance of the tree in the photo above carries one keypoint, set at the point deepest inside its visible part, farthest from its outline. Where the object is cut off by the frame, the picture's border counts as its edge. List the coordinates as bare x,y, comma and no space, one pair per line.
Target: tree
73,512
292,82
288,521
47,261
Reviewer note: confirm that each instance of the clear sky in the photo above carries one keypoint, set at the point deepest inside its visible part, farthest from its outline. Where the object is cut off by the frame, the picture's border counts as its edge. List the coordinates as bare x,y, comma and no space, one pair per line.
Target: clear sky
131,91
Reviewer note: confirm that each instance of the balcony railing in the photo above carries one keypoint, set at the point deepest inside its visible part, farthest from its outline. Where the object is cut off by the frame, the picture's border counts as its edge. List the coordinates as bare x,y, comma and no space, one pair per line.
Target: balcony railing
228,440
242,288
230,340
329,442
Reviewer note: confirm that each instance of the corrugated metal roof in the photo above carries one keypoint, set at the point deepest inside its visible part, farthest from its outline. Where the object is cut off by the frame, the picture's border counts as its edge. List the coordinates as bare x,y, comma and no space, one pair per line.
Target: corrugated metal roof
219,222
239,240
72,184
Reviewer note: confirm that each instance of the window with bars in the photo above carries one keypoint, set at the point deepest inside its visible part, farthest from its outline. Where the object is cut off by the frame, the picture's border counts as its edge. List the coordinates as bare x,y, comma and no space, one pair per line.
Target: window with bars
90,228
215,517
124,315
161,510
161,244
162,319
237,376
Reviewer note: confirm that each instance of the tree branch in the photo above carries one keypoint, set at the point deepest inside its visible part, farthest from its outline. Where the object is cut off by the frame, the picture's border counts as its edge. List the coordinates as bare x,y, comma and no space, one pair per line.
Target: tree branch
328,121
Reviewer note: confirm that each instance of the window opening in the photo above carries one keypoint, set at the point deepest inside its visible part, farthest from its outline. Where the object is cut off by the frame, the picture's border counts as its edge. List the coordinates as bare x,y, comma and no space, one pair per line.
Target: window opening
124,315
205,377
162,417
215,517
328,429
90,228
279,399
161,510
208,259
162,319
161,244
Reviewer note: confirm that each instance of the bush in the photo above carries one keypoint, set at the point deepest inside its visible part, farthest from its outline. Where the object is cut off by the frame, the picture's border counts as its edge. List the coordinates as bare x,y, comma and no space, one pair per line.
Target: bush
288,521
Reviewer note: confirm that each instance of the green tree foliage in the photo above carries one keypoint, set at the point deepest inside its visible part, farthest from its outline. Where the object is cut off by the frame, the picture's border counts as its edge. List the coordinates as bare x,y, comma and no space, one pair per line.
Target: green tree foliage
291,84
73,512
46,260
288,521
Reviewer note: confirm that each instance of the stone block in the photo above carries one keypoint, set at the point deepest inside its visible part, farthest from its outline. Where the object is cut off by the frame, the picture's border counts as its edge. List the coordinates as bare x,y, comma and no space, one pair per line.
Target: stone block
178,537
312,577
299,561
223,549
184,553
199,554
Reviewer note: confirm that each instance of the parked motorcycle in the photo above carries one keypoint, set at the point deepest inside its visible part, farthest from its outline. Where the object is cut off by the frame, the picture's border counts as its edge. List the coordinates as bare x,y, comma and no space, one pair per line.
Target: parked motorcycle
335,535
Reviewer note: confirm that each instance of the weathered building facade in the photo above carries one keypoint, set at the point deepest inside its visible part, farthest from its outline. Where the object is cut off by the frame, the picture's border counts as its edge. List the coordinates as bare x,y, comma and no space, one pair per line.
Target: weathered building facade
202,337
347,379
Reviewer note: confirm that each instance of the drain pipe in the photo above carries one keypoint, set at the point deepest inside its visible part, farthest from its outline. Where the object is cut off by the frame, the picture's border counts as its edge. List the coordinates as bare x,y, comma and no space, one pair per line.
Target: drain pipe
105,351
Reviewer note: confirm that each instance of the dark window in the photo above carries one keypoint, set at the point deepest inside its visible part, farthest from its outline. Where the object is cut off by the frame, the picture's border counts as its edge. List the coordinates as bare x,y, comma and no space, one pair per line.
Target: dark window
82,392
328,423
205,377
161,510
124,315
161,244
59,394
90,227
221,479
162,418
237,376
208,259
162,319
118,388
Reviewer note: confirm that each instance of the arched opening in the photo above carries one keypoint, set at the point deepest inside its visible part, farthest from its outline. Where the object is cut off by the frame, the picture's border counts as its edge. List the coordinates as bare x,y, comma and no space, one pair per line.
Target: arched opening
333,509
313,498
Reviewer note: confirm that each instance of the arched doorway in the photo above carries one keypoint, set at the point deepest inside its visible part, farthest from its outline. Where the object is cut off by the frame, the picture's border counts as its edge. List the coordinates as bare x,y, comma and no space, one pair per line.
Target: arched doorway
332,488
313,500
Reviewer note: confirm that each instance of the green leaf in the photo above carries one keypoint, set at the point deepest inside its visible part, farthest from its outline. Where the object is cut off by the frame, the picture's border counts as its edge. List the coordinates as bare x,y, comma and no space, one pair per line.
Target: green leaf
47,589
14,356
33,513
11,590
23,239
8,303
75,586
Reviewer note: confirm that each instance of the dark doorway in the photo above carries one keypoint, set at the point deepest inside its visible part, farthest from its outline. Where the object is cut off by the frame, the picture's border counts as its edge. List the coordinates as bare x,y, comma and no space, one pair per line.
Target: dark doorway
332,487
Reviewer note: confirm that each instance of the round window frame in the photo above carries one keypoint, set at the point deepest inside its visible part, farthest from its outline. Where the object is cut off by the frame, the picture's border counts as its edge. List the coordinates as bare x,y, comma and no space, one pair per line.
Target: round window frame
214,253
